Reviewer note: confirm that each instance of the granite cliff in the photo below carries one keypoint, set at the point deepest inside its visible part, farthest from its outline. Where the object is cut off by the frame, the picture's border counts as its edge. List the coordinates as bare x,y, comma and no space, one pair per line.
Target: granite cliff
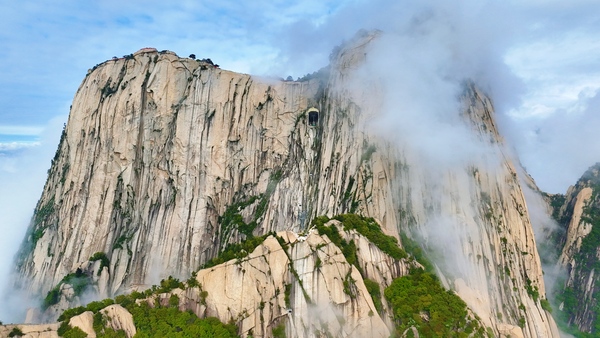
578,237
166,160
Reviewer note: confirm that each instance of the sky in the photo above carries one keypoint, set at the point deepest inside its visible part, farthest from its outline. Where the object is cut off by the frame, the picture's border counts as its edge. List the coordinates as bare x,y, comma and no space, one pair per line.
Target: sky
539,60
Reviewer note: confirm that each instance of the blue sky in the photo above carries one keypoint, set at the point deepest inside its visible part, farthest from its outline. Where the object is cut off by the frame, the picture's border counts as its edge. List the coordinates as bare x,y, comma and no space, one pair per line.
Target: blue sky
545,56
48,46
538,59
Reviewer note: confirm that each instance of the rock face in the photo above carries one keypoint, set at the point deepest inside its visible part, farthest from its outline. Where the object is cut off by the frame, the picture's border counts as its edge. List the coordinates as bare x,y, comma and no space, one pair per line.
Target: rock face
117,318
32,331
165,160
306,285
85,322
578,212
303,284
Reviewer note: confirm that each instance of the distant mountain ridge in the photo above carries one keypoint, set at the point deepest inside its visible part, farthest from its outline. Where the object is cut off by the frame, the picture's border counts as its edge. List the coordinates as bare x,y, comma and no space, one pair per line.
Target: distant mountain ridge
578,214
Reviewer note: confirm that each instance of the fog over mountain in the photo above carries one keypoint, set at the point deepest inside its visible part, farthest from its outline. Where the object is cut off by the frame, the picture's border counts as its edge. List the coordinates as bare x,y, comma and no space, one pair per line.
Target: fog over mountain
536,61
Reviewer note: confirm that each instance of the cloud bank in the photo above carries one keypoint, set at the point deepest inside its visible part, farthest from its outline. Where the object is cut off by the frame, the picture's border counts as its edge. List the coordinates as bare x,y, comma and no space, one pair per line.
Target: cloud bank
22,177
537,60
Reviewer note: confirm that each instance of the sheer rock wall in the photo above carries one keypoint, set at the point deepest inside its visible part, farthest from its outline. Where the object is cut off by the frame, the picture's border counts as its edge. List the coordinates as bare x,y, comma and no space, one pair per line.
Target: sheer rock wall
165,160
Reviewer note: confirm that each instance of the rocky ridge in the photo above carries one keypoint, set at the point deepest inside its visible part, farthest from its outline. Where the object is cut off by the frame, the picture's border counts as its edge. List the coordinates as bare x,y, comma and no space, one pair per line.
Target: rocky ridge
303,283
578,213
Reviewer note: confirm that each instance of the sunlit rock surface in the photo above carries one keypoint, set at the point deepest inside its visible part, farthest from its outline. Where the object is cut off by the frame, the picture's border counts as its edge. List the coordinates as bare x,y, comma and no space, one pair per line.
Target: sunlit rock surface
32,331
308,286
165,160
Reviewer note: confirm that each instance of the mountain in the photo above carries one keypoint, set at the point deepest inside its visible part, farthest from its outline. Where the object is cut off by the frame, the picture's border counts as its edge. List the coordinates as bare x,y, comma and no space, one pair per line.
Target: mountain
166,161
578,214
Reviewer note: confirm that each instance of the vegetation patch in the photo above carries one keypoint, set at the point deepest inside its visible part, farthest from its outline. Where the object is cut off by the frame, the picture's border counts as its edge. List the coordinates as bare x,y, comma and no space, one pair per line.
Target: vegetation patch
287,293
156,321
372,231
63,136
589,244
365,226
92,306
586,261
556,202
368,150
16,332
417,252
322,75
237,250
123,240
192,282
44,212
38,228
100,256
232,219
349,285
546,305
419,300
279,331
348,196
167,285
375,292
532,290
170,322
67,331
78,280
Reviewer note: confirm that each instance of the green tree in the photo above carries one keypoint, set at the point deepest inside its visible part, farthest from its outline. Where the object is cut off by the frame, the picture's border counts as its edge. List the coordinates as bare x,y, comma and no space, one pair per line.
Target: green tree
419,300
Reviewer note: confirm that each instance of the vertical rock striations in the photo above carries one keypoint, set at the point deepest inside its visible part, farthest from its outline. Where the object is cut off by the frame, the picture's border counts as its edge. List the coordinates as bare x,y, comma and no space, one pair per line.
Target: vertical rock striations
578,212
165,160
306,286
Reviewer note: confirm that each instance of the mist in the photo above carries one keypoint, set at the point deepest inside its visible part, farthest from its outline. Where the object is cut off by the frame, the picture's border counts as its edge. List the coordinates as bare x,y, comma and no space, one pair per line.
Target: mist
536,60
22,177
427,52
544,227
566,142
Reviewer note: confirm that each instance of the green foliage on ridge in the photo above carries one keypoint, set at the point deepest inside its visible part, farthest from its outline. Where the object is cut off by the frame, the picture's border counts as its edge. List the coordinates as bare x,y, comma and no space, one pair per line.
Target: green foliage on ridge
586,261
150,321
419,300
417,252
237,250
15,332
78,280
100,256
375,292
232,219
365,226
44,211
170,322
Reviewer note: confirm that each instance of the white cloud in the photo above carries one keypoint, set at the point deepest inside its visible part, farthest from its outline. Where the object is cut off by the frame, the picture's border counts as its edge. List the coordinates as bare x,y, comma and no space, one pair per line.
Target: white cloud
22,177
537,58
12,146
21,130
